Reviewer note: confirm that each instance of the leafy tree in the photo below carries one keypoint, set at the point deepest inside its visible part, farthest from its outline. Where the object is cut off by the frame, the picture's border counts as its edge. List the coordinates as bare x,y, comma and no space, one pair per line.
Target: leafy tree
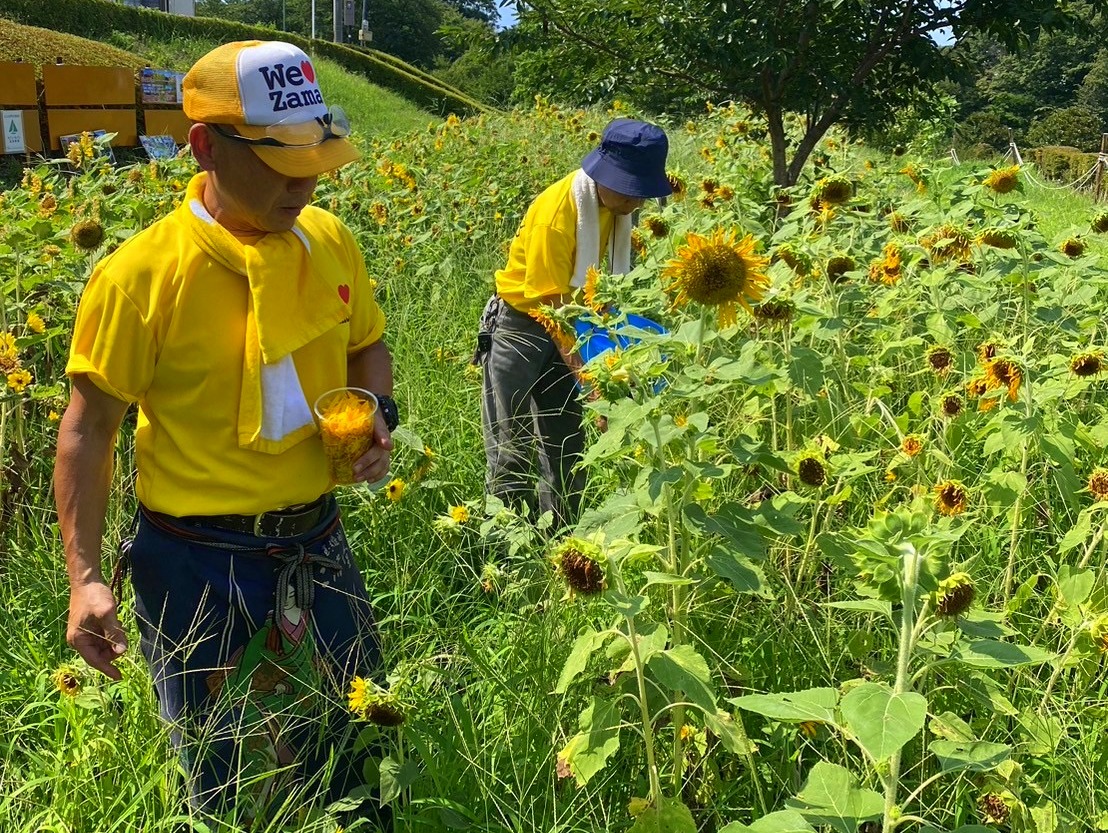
855,62
1075,126
1094,89
474,59
484,10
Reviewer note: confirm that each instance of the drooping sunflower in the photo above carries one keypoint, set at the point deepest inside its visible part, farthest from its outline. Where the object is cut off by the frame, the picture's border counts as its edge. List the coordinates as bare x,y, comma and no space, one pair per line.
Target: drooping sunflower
951,498
368,701
1003,373
899,223
987,350
834,189
657,226
948,242
1089,363
553,329
811,469
1073,247
999,238
592,285
994,809
954,595
708,185
677,186
1003,180
838,266
578,562
791,256
886,269
1100,223
1098,484
1098,632
940,359
718,271
775,311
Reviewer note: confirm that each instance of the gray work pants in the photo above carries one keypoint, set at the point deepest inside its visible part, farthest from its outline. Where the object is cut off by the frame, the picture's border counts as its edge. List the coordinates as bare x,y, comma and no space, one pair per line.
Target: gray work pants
529,410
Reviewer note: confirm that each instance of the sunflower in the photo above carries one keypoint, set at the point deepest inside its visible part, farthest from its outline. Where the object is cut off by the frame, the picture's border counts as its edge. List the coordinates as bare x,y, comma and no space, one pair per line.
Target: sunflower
811,470
954,595
395,489
459,514
912,444
67,680
796,260
940,360
708,185
676,185
918,176
1100,222
951,405
838,266
1003,180
899,222
592,284
553,329
835,189
1003,373
87,235
951,498
657,226
718,271
1073,247
994,809
775,311
886,268
1098,484
368,701
578,561
1088,363
948,242
638,244
999,238
18,379
35,323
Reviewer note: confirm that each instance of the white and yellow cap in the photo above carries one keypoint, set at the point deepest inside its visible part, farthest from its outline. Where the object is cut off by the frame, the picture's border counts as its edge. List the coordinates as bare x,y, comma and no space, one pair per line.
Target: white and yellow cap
268,90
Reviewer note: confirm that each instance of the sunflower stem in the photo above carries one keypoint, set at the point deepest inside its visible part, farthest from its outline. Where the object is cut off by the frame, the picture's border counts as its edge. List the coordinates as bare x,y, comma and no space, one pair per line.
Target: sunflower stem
908,635
1013,539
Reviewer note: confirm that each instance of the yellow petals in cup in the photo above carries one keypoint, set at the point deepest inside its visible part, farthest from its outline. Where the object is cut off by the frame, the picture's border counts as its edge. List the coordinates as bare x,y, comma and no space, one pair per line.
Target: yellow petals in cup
346,419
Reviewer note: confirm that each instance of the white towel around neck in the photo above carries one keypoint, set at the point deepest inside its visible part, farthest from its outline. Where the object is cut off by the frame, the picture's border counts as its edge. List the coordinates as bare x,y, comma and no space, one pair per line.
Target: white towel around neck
588,233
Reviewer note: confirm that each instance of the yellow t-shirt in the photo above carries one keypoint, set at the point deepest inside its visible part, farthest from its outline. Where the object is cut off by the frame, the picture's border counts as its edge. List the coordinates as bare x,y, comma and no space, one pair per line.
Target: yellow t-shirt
544,251
162,324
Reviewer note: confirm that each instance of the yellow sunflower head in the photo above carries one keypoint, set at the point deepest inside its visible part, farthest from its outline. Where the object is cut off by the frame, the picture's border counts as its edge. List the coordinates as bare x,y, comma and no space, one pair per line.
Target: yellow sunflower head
395,489
835,189
1073,247
951,498
912,444
718,271
1003,180
1003,373
948,242
67,680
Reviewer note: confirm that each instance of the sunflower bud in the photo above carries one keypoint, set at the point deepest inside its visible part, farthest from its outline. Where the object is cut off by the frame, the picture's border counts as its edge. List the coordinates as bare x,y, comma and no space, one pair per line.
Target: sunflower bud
999,238
1100,222
579,563
954,595
834,190
838,266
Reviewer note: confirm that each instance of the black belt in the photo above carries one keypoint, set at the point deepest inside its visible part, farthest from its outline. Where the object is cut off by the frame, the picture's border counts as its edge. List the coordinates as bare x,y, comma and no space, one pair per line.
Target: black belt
280,523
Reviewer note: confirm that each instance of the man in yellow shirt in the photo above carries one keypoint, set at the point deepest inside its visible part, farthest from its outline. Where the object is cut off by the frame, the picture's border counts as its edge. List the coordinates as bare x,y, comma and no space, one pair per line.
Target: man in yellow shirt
224,322
530,406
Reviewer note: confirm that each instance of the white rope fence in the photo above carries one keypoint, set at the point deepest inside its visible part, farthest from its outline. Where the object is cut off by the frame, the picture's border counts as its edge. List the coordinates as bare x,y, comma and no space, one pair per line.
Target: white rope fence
1101,162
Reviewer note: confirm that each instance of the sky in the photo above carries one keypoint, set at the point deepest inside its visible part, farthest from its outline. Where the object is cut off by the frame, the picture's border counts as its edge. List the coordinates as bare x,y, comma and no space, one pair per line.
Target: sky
507,17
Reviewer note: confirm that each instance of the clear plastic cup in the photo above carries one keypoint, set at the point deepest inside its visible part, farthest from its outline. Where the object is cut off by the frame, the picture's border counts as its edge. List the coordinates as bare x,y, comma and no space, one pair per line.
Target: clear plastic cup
346,418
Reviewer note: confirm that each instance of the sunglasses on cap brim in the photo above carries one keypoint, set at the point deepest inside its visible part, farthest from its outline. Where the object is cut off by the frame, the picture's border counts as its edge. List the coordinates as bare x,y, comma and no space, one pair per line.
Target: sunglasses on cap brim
305,134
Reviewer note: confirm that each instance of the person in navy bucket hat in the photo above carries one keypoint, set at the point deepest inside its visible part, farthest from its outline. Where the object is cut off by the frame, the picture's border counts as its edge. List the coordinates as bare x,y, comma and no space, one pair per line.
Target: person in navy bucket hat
631,159
530,409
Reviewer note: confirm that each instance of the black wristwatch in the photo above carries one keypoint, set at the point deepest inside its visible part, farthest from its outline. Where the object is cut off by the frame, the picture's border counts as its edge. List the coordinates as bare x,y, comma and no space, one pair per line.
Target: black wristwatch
388,410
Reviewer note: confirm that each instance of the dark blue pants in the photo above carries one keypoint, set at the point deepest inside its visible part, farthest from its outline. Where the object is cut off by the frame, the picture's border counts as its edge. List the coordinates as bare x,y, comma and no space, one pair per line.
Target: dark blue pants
252,644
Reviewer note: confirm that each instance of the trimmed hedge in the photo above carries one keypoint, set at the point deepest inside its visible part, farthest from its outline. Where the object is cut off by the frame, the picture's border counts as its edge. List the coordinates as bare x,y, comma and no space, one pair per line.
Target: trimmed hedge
1064,164
97,19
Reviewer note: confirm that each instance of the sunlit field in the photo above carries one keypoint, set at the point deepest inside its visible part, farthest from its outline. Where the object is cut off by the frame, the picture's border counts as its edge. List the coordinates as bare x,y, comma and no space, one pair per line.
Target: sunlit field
843,554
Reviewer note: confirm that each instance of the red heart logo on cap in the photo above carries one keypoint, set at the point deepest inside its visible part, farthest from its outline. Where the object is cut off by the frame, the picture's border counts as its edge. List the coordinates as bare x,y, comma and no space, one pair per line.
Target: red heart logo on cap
309,73
344,293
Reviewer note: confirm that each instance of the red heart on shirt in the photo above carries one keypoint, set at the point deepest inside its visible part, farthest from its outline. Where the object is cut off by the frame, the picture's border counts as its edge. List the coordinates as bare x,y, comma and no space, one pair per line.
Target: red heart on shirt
344,293
309,72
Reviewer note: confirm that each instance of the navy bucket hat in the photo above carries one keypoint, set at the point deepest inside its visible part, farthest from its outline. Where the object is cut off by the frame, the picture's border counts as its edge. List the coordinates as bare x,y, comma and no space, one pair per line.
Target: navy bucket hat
631,159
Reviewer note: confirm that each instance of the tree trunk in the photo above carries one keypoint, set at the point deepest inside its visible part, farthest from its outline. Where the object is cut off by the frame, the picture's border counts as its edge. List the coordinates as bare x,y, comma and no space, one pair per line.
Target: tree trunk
779,146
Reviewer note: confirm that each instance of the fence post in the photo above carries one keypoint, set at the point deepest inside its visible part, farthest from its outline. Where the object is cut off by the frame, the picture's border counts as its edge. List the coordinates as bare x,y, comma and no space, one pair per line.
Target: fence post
1101,164
1012,146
